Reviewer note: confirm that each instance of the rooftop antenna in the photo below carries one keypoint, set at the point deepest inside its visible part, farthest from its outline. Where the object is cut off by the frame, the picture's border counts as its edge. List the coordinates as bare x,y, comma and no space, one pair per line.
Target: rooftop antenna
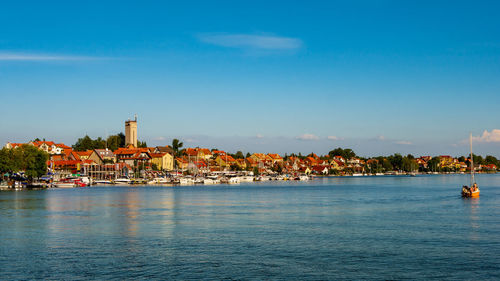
135,116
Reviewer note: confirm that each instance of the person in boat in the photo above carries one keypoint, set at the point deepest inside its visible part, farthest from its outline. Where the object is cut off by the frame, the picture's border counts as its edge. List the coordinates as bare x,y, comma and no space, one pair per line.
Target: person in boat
466,191
474,187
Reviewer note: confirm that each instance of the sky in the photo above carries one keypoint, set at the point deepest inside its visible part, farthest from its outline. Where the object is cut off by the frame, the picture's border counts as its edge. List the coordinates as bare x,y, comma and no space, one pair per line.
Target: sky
380,77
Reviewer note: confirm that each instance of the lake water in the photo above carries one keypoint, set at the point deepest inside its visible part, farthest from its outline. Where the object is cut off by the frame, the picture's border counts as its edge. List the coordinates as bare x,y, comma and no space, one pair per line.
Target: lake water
329,228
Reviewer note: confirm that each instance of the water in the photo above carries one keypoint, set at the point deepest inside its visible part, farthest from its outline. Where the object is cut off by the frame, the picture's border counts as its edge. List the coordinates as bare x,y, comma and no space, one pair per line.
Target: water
336,228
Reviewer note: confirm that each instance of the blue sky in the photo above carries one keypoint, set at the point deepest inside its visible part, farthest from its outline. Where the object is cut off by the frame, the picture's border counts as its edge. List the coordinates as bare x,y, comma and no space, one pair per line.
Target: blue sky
270,76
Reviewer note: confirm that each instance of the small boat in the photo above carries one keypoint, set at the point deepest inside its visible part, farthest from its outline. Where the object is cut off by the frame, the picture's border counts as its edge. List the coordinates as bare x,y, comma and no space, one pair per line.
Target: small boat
122,181
64,184
234,180
303,178
473,190
102,182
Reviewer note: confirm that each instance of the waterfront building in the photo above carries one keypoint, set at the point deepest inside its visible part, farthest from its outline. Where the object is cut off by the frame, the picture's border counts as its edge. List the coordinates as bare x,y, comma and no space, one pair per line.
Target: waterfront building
131,132
163,161
102,156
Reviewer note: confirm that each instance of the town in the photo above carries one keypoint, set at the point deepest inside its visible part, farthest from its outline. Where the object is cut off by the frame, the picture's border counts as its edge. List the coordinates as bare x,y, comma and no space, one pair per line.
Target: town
122,159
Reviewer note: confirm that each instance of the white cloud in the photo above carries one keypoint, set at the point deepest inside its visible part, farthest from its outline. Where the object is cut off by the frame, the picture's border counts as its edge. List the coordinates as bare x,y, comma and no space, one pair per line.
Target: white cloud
307,137
190,140
334,138
493,136
404,142
42,57
269,42
159,138
380,138
259,136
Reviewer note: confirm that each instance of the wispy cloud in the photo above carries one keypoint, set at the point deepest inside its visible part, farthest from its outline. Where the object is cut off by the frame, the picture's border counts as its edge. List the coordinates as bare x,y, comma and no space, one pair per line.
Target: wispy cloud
159,138
259,136
250,41
307,137
493,136
8,56
403,142
334,138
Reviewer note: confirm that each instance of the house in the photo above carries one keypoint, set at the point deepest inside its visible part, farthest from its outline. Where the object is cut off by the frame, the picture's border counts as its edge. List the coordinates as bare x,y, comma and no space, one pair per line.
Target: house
310,161
276,158
164,149
133,156
163,161
182,163
200,153
11,145
320,169
339,158
336,164
225,160
241,163
266,160
83,155
101,156
251,163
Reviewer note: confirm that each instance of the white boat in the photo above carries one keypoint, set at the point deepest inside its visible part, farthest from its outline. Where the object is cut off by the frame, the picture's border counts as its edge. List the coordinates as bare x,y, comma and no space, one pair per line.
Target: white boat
64,184
186,181
304,178
102,182
357,175
122,181
208,181
246,179
234,180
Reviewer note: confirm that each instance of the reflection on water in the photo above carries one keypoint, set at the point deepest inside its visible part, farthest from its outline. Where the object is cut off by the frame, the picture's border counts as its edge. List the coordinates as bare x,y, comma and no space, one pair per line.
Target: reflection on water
330,228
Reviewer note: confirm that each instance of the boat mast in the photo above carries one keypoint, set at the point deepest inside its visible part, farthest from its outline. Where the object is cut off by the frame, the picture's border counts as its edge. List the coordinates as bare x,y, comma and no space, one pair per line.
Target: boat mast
471,162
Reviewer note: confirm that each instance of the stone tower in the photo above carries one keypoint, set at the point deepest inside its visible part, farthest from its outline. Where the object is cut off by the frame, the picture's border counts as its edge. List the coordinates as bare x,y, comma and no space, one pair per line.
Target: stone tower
131,132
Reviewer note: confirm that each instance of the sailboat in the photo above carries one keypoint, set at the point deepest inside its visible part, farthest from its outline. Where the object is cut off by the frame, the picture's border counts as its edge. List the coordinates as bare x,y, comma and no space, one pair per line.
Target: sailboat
473,190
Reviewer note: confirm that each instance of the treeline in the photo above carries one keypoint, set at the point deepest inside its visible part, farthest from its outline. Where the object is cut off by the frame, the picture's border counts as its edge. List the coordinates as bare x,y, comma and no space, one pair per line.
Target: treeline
27,158
113,142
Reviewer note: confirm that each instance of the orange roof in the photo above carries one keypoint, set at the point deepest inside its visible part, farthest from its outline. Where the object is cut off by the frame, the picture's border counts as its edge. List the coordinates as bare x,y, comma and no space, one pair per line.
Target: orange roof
62,145
157,155
275,156
83,153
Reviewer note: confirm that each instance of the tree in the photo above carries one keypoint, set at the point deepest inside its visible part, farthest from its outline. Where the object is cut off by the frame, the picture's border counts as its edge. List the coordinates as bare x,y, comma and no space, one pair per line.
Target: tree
238,155
433,163
85,143
142,144
491,160
25,158
116,141
176,144
344,153
396,161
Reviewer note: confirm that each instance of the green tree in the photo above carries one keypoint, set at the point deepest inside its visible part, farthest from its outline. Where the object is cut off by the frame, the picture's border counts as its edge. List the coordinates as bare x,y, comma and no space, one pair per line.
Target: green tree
433,164
491,160
345,153
396,161
176,145
238,155
116,141
142,144
25,158
85,143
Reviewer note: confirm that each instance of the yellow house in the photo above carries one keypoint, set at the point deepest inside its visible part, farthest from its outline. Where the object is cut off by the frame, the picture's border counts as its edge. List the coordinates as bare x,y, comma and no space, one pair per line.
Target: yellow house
164,161
225,160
